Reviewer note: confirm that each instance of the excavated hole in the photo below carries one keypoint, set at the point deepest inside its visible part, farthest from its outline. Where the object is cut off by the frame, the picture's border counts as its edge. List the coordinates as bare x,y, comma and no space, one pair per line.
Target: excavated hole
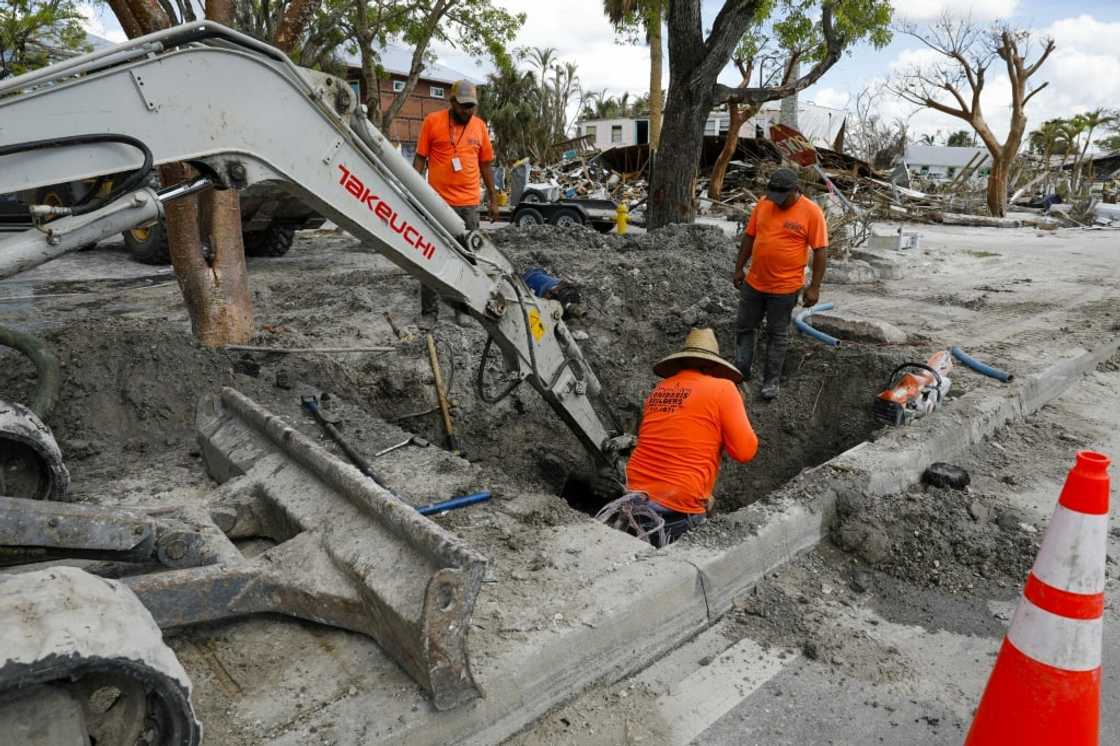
823,410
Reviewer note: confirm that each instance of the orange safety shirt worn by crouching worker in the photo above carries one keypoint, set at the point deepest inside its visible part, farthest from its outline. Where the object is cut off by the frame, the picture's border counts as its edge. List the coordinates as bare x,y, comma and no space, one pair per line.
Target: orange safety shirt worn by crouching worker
454,152
689,419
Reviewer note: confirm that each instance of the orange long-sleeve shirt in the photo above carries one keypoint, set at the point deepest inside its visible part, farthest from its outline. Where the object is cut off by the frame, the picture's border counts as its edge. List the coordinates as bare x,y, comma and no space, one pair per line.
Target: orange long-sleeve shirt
689,419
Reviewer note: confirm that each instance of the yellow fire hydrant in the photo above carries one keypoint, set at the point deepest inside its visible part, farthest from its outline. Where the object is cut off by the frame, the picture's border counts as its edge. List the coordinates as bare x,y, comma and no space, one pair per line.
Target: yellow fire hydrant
622,218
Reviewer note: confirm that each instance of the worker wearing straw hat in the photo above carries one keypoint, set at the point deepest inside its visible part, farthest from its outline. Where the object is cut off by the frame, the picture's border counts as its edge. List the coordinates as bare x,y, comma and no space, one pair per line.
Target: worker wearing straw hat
690,419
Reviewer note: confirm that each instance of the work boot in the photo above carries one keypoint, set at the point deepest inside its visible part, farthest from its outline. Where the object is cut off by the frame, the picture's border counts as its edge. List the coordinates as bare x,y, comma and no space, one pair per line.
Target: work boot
770,390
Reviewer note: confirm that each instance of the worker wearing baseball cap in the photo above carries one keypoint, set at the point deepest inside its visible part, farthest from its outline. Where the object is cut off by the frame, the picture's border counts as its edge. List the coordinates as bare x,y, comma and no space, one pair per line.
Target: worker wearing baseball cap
454,149
784,228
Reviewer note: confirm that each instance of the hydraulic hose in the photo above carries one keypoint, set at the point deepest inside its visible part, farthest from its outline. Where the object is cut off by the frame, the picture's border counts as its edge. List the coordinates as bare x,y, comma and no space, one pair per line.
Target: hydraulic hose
135,180
982,368
803,326
46,366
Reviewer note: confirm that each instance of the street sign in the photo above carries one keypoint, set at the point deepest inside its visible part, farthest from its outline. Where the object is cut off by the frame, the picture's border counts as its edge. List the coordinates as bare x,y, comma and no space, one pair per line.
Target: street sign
793,145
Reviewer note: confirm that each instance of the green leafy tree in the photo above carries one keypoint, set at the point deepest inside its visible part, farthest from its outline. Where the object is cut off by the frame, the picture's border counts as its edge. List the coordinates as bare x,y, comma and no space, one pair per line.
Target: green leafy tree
34,33
526,101
821,30
1089,121
474,26
961,139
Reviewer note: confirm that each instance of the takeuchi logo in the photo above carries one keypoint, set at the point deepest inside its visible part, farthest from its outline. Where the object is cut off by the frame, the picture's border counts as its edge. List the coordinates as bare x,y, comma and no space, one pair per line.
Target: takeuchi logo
382,209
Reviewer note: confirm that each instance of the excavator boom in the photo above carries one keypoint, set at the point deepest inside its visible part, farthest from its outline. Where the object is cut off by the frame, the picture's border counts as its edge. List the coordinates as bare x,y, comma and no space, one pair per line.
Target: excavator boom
241,113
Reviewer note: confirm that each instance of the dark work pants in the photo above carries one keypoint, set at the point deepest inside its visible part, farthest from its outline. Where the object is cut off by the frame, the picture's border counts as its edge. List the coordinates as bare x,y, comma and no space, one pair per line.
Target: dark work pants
777,309
429,299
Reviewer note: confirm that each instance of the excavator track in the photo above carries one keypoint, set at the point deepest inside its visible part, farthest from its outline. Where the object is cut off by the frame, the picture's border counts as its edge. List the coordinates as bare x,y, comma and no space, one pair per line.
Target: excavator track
85,663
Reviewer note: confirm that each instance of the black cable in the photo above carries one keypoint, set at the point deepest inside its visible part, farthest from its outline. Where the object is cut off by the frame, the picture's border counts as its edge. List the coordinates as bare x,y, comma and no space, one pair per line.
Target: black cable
479,383
135,179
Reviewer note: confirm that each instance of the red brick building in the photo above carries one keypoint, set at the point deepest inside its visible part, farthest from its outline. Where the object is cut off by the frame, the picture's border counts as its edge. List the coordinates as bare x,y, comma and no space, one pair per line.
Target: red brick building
429,95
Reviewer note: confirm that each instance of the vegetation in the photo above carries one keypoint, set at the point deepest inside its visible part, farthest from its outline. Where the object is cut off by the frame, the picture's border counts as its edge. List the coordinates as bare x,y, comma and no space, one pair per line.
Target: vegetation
34,33
637,19
526,101
812,31
953,85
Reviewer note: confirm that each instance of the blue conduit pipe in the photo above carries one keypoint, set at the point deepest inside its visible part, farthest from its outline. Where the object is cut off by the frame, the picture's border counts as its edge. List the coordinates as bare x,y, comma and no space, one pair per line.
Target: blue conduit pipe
804,328
979,367
454,503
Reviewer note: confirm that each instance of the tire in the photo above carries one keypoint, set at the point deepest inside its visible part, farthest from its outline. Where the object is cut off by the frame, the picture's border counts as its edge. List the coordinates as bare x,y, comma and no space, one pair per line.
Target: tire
60,195
566,217
148,245
527,216
532,196
274,241
941,474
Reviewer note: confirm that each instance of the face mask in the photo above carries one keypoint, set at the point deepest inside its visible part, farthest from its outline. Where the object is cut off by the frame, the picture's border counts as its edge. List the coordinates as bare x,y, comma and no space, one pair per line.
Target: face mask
462,117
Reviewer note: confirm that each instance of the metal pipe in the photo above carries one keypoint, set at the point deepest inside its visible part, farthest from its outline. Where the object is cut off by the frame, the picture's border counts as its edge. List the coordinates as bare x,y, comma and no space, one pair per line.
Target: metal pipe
804,328
40,245
454,503
982,368
183,189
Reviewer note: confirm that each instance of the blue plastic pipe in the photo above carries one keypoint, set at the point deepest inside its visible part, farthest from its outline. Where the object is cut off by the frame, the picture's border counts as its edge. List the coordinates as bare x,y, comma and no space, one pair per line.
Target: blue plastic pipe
804,328
454,503
982,368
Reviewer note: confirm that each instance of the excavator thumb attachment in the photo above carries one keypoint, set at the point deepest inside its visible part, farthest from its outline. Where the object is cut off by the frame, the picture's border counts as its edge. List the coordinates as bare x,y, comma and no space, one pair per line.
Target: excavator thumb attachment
351,555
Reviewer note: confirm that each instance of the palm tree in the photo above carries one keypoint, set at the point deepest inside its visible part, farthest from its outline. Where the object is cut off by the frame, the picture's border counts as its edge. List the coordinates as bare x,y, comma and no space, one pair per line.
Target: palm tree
649,14
1089,122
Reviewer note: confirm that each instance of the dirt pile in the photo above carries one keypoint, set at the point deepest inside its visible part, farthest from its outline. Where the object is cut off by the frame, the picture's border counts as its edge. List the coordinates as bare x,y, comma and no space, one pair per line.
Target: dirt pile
941,538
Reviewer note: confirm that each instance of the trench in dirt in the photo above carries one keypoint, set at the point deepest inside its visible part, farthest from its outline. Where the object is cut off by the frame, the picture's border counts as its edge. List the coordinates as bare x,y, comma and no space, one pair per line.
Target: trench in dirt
124,413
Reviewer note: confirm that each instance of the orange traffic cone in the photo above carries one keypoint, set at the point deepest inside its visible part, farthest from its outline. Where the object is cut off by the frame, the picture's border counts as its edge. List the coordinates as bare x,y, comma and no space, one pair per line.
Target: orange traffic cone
1046,684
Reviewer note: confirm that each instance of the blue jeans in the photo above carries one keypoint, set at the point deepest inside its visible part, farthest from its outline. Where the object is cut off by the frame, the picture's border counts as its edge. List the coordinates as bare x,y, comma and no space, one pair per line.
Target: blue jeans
676,523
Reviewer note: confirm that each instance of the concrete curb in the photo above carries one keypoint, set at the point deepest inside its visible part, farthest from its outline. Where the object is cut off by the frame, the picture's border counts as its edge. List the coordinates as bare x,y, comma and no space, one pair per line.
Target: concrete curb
653,604
797,517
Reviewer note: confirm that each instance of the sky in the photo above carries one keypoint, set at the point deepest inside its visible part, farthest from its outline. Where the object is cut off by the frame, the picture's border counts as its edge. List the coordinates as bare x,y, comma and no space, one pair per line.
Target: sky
1083,72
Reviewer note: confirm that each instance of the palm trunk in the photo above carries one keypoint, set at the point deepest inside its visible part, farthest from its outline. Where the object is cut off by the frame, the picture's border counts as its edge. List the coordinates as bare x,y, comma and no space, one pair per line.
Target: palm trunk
655,62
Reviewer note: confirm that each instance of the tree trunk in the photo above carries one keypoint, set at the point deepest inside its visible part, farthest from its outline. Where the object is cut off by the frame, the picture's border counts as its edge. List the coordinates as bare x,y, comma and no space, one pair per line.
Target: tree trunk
655,61
737,115
128,21
997,185
672,194
297,16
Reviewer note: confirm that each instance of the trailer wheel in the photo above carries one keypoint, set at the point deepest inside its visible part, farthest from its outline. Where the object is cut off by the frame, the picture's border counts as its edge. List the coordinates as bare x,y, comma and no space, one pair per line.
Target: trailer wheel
567,217
528,216
533,196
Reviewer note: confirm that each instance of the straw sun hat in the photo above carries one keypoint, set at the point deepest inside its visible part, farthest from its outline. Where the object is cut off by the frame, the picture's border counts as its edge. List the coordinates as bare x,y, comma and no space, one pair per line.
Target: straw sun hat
700,351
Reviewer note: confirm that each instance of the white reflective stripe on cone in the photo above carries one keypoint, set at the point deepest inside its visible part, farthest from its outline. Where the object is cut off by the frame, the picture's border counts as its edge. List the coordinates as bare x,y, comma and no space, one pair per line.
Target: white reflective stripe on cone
1057,641
1073,552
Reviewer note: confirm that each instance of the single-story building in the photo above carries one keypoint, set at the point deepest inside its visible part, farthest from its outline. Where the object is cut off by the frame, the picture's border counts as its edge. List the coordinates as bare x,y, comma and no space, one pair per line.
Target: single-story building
820,124
944,163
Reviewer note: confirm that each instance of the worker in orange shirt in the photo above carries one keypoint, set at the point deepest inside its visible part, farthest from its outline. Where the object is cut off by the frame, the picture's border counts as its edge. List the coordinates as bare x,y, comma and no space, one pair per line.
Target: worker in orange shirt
784,227
454,149
690,419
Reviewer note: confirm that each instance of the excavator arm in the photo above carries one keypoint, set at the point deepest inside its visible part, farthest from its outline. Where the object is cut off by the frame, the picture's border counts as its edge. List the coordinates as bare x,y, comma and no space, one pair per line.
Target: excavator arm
241,113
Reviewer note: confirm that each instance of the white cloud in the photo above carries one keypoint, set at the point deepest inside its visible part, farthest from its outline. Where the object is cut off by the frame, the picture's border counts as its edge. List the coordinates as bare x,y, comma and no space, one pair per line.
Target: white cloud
1082,73
94,21
978,10
580,33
